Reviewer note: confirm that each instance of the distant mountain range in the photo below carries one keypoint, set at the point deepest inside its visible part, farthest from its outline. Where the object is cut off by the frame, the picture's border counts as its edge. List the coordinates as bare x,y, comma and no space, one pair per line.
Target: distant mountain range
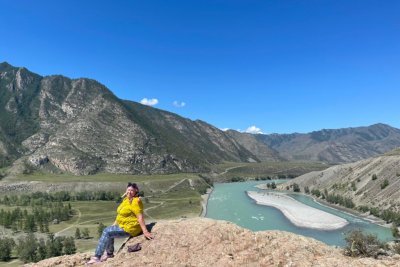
79,126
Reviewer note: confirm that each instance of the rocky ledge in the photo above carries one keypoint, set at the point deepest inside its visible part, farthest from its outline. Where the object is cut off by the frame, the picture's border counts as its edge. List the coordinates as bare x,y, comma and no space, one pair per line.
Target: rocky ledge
206,242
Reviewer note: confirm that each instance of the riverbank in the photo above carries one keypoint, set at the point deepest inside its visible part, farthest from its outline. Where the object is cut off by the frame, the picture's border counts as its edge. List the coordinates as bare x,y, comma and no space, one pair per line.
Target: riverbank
204,201
298,213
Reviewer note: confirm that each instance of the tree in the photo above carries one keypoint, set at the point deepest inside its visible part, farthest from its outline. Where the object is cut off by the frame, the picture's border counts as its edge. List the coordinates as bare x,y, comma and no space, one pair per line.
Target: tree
6,246
78,233
30,225
26,249
85,233
296,188
273,185
69,245
41,250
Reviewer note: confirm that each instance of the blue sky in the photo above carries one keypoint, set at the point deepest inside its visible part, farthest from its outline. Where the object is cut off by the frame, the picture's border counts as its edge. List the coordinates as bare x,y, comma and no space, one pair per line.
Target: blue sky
280,66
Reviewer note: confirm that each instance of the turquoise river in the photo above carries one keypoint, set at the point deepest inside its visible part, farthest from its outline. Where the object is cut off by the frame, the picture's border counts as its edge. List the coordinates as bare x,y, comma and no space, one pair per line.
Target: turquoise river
230,202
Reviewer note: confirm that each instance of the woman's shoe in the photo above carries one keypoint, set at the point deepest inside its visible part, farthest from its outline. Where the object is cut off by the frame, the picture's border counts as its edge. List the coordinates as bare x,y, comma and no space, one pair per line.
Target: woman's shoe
93,260
106,257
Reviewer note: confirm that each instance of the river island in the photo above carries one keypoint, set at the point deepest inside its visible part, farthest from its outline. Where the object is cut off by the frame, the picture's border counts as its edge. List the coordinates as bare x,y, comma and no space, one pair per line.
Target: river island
298,213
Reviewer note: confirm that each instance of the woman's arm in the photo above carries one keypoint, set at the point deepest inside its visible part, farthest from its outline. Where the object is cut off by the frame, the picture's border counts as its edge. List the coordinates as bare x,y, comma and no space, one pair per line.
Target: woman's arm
146,233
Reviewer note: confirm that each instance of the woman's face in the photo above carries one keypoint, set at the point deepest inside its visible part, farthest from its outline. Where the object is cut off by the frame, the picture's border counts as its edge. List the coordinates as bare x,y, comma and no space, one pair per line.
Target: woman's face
131,192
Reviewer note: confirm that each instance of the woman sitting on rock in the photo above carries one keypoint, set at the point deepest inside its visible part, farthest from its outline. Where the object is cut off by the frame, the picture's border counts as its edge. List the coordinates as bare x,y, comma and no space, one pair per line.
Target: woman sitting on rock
129,222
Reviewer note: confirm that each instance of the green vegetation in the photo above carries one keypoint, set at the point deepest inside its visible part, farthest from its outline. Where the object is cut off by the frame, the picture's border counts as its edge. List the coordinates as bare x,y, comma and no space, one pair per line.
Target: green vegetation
6,245
384,184
353,186
362,245
334,198
374,177
296,187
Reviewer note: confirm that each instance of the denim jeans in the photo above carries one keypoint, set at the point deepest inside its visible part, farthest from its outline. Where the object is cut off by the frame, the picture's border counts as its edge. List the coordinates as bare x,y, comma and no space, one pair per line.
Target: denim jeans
106,241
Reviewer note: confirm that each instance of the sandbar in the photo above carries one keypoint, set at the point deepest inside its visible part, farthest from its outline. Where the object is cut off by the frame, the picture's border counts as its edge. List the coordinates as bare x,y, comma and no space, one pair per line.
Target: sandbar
298,213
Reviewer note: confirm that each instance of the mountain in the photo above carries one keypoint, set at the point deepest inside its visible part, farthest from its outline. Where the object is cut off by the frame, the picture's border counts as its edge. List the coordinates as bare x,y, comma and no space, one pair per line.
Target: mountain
79,126
257,147
373,182
336,145
209,242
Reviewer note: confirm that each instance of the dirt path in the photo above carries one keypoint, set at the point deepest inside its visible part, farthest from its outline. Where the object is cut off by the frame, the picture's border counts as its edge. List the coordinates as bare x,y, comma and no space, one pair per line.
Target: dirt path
231,168
79,223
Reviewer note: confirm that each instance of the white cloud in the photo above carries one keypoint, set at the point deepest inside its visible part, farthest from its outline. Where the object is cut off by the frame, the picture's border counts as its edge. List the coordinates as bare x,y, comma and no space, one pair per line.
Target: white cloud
149,102
253,130
224,129
179,104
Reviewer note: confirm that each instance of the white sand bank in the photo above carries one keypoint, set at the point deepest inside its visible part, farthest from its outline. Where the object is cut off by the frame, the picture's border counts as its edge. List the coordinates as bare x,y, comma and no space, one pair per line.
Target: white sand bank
298,213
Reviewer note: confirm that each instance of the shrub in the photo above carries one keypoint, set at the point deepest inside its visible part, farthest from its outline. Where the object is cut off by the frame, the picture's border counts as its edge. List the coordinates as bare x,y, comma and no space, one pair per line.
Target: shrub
296,188
396,248
353,186
306,190
273,185
359,244
374,177
384,184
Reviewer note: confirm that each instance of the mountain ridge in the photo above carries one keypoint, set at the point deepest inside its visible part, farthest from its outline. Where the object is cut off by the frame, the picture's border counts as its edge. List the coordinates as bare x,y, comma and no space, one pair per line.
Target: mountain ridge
80,126
57,124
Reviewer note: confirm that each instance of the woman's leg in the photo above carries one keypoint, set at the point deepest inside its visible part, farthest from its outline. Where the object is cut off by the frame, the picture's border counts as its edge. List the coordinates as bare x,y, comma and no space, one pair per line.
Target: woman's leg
110,246
109,234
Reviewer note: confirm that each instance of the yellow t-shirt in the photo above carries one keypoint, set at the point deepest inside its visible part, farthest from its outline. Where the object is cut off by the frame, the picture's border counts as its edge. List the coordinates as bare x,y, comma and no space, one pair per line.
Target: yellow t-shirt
127,216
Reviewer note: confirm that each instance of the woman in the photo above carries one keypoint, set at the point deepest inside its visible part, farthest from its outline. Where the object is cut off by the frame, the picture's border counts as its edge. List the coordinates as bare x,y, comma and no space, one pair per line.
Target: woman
129,222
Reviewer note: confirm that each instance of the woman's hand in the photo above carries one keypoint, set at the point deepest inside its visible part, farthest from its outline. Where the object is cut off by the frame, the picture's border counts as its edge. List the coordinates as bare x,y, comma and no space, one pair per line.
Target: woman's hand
148,235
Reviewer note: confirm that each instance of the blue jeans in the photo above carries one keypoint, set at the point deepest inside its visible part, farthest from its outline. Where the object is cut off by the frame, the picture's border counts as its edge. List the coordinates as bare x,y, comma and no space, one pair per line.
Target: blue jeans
106,241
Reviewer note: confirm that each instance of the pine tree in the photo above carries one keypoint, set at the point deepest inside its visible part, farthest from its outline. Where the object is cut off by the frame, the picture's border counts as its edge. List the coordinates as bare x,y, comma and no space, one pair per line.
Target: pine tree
41,250
26,248
69,245
78,233
6,246
85,233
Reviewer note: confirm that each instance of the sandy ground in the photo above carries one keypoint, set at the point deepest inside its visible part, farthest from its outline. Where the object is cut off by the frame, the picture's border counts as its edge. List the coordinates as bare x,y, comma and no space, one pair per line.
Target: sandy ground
298,213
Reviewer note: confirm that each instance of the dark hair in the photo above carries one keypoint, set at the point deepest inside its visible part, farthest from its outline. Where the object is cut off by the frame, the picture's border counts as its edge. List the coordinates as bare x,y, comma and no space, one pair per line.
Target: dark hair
134,185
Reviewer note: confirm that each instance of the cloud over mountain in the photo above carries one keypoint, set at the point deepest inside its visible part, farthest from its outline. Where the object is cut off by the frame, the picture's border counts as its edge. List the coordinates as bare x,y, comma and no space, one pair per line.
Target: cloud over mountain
149,102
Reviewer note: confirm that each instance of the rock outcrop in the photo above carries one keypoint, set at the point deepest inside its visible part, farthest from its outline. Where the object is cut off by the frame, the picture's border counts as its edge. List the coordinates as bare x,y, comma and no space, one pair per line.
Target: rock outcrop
206,242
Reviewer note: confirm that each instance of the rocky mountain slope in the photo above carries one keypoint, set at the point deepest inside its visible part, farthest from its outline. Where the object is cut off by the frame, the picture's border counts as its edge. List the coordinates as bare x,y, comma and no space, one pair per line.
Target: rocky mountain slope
251,143
335,145
206,242
79,126
362,181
